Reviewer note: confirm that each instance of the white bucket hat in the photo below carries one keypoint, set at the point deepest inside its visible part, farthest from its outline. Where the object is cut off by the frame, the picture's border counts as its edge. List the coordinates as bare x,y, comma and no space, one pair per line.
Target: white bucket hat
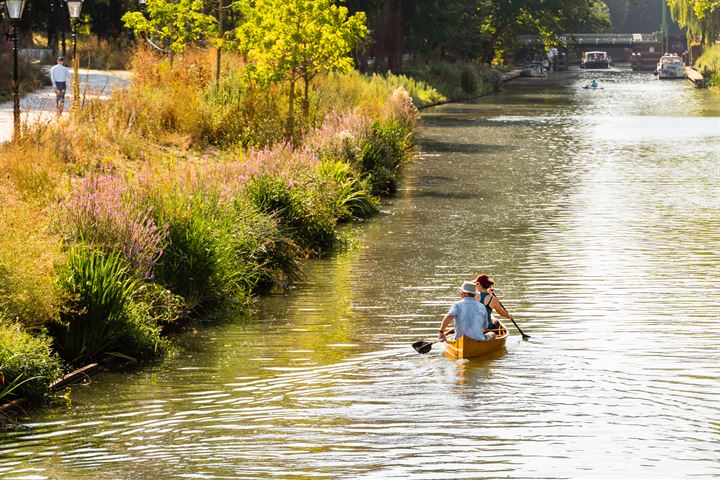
468,287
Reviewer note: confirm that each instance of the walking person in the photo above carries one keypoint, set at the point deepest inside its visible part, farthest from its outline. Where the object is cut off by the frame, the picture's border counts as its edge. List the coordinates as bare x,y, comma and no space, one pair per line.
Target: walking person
489,300
470,317
59,77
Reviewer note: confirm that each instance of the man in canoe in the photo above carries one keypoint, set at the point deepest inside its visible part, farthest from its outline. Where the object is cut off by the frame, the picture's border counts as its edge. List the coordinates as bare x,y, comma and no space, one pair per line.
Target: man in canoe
470,316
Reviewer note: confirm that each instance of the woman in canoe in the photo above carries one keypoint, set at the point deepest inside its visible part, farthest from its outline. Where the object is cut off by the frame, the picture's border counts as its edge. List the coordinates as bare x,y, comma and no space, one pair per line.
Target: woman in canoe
484,284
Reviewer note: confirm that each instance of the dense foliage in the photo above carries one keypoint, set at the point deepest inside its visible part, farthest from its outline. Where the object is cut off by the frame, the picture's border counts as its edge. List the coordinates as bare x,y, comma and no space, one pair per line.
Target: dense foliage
468,29
701,18
26,364
396,29
169,209
709,65
295,40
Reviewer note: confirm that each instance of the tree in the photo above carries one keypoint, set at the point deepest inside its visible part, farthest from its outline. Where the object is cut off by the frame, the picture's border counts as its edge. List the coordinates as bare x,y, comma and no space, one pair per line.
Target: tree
295,40
701,18
175,24
504,20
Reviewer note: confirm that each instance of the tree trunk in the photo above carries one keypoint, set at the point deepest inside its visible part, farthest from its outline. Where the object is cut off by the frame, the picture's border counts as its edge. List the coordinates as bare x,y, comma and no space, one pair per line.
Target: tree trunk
291,112
306,98
395,37
389,41
52,30
219,49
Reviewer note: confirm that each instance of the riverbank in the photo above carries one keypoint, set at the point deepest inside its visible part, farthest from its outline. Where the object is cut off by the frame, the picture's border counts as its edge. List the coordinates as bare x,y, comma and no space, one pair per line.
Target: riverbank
177,197
709,65
323,373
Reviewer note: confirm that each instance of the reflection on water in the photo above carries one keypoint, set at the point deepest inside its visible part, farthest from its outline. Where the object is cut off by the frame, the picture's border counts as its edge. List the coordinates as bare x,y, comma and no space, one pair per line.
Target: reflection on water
597,213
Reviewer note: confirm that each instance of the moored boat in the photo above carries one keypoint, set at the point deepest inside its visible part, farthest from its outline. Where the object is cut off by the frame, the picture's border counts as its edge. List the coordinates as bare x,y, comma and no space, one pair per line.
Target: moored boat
671,65
595,59
465,347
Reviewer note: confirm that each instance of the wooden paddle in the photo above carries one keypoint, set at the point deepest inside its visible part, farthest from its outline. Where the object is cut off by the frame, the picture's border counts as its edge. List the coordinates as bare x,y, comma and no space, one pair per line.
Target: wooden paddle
425,347
524,336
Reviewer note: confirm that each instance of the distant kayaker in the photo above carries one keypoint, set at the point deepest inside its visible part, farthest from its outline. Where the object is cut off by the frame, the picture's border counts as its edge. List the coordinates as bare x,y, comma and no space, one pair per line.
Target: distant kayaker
470,317
489,300
593,84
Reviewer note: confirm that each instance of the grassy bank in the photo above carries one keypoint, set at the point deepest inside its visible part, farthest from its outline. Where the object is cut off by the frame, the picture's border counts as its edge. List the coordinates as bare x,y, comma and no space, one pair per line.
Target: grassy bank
177,197
709,65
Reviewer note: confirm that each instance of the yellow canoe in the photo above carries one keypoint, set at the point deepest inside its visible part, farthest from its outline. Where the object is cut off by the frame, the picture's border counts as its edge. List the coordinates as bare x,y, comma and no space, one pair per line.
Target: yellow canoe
465,347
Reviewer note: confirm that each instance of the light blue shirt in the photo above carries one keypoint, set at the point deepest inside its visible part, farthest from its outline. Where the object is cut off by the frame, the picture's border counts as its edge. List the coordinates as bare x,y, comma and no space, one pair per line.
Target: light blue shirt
59,73
470,318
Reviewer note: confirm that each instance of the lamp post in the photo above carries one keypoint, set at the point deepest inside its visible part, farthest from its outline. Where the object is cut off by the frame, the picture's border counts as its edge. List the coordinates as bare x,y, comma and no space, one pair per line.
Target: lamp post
74,9
14,10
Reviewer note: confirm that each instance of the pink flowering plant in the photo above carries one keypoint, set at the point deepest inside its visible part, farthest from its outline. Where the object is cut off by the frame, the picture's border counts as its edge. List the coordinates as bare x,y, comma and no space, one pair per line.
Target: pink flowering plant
340,136
103,212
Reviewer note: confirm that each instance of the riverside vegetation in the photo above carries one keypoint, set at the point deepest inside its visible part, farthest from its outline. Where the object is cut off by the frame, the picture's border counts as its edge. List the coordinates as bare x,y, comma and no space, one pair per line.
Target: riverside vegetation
709,65
182,195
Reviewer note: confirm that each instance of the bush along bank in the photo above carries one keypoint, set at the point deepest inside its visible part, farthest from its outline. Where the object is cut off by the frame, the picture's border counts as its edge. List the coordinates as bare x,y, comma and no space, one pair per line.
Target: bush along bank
174,198
709,65
454,81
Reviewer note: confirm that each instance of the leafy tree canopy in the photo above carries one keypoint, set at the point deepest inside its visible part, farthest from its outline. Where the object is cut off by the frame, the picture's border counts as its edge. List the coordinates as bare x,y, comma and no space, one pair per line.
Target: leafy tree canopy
293,40
701,18
175,24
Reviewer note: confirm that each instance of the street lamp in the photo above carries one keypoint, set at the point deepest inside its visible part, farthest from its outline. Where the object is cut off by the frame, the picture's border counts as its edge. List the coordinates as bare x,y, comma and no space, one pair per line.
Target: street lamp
14,10
74,9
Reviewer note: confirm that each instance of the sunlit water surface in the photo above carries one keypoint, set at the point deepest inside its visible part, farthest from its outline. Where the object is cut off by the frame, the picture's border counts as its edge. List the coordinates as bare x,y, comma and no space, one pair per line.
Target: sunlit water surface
596,212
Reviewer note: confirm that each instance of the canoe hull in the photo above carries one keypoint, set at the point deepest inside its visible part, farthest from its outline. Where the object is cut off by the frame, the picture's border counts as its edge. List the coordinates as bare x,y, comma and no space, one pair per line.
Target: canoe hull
465,347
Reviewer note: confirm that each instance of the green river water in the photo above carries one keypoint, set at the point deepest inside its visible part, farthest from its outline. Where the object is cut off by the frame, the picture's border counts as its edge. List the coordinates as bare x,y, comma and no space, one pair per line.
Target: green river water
597,213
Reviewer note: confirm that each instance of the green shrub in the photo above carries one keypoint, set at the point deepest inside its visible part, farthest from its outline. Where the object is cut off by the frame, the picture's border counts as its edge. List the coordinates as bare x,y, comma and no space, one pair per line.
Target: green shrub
421,91
261,250
305,212
383,154
709,65
192,263
99,315
222,249
27,366
244,114
468,81
352,196
457,80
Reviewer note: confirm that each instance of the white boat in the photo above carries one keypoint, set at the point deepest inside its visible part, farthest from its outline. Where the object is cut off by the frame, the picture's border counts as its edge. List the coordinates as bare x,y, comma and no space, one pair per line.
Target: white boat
671,65
595,59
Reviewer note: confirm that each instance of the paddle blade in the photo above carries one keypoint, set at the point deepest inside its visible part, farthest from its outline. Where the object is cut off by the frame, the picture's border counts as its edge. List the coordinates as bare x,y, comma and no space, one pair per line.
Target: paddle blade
422,347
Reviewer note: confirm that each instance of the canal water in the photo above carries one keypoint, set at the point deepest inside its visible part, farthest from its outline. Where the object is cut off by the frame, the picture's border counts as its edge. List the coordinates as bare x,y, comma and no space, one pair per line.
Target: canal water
597,213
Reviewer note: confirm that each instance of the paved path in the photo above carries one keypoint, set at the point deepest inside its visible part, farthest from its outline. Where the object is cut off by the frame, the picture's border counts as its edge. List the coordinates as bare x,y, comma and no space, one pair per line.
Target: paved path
40,106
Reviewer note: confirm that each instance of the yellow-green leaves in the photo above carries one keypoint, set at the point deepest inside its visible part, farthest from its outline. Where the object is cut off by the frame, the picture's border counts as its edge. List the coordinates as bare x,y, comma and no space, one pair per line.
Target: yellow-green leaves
297,39
700,17
173,24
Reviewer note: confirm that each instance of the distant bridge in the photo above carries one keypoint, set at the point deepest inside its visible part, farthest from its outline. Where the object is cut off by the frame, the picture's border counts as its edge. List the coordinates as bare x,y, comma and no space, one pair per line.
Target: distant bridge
599,39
